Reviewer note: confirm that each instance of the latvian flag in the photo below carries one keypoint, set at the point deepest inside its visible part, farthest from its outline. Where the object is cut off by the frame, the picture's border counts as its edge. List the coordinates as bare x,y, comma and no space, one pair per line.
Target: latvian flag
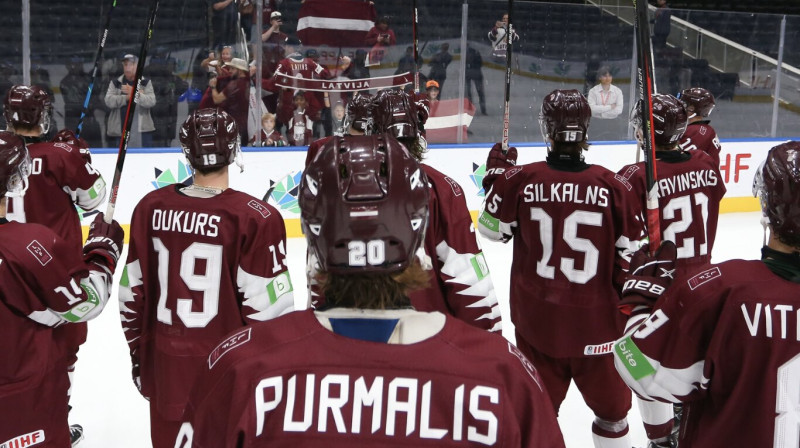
341,23
443,123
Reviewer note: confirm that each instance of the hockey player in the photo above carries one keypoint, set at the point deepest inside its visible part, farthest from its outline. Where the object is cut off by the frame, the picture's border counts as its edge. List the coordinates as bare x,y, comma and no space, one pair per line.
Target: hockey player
460,281
690,188
368,370
574,228
44,283
724,341
62,177
699,103
204,259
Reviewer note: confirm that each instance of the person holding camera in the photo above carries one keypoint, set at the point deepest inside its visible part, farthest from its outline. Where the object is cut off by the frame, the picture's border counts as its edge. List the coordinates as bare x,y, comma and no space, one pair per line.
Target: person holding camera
380,37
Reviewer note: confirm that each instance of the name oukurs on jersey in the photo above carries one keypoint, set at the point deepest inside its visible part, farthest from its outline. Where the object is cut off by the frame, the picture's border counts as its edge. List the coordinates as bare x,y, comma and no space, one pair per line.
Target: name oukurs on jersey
399,407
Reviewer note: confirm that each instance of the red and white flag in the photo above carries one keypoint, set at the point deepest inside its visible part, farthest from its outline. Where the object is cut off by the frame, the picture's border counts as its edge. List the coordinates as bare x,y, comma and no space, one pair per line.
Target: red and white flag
341,23
444,122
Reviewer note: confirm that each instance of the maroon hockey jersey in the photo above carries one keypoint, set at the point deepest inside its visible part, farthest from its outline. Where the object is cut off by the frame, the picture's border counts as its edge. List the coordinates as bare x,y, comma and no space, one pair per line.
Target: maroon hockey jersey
701,136
574,232
690,188
297,66
60,179
725,341
460,284
197,268
458,387
44,282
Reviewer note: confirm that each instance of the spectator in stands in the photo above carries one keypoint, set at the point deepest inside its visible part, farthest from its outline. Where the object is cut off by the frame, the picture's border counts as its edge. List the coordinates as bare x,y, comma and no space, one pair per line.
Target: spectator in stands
380,37
358,69
406,63
117,96
605,99
269,135
234,97
301,124
168,87
662,22
432,88
273,35
337,120
498,38
224,20
474,75
214,65
439,63
268,7
73,90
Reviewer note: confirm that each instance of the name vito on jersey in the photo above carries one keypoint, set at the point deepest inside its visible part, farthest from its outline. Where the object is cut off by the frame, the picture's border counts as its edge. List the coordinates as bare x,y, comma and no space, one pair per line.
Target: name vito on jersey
686,181
186,222
567,192
400,407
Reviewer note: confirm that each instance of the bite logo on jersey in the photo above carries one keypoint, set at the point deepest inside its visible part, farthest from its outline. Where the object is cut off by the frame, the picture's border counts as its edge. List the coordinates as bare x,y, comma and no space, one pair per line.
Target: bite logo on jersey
478,173
704,277
237,340
284,192
26,440
39,252
164,178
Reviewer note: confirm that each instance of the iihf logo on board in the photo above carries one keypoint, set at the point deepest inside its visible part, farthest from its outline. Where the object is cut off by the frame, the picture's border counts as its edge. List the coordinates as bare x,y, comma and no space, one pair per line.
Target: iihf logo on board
164,178
283,193
478,172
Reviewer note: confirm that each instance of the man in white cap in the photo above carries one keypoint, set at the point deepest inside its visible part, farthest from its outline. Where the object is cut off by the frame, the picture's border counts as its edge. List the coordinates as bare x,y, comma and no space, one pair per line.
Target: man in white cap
234,97
117,96
273,34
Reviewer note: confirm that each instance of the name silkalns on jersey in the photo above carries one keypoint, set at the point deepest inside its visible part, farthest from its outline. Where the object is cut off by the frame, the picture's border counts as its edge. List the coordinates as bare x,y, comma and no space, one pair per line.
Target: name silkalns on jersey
398,407
567,192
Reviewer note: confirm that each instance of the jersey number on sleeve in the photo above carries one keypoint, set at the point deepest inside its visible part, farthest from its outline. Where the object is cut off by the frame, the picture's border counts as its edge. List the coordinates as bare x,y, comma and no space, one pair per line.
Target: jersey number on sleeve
570,236
207,283
686,246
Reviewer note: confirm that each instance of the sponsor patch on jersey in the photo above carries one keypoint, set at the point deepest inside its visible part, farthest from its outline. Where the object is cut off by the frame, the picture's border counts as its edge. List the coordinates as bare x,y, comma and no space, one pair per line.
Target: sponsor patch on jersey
600,349
25,440
260,208
512,171
63,146
525,364
237,340
625,177
704,277
39,252
454,185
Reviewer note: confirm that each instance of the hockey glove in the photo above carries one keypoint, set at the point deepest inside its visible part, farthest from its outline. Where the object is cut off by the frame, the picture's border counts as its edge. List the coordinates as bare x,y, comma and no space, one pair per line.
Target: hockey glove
104,243
69,137
648,278
497,163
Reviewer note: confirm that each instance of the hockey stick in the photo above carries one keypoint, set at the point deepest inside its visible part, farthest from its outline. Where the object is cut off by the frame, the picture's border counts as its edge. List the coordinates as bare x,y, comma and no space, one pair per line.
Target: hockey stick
97,56
126,130
507,103
646,89
415,38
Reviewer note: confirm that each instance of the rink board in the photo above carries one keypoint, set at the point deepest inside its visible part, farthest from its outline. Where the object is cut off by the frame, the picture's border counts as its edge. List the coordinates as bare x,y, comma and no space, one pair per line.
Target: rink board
148,169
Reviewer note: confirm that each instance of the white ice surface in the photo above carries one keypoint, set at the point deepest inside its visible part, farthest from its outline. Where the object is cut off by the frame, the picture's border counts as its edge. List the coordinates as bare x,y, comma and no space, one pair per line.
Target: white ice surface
113,414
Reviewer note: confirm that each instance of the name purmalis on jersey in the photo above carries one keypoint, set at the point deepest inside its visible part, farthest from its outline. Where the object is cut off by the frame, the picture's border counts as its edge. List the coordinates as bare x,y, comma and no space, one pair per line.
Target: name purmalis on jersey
398,406
185,222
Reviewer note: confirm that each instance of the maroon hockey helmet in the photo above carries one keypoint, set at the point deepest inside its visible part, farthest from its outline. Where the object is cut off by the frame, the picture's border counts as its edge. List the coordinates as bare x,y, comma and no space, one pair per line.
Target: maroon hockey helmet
669,119
396,113
15,164
210,139
28,107
359,113
565,116
777,185
700,99
364,205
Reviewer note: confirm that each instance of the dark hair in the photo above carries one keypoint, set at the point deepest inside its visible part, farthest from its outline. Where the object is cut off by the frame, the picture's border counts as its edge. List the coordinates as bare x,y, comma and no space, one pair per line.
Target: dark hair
373,291
604,70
